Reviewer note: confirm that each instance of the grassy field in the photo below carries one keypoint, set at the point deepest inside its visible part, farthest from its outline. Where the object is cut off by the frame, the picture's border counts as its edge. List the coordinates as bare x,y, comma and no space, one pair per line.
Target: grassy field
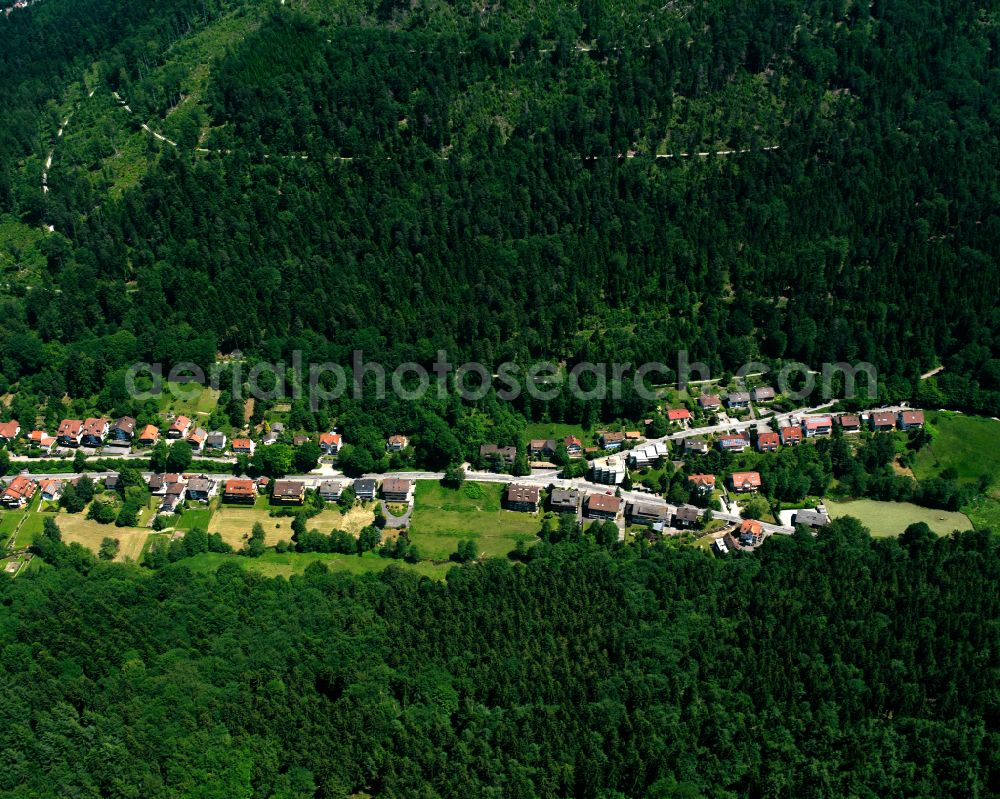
984,512
968,444
891,518
77,528
195,517
272,564
188,399
444,516
558,432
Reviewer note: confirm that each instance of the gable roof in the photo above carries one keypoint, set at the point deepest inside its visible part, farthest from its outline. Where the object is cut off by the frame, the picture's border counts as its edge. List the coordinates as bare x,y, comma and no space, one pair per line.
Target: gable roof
70,427
912,417
150,431
677,414
746,479
239,488
522,493
604,502
703,480
9,429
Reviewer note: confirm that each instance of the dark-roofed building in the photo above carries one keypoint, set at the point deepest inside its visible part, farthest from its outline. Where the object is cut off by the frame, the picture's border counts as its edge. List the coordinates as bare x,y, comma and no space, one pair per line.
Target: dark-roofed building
330,490
498,456
810,518
738,399
734,442
685,517
603,506
365,488
612,440
288,492
763,394
123,429
157,484
542,447
648,513
696,445
564,500
395,489
200,488
215,440
522,498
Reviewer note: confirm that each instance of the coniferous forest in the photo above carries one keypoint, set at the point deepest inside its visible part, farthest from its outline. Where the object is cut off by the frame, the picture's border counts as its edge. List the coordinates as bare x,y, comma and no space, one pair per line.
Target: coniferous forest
838,666
402,179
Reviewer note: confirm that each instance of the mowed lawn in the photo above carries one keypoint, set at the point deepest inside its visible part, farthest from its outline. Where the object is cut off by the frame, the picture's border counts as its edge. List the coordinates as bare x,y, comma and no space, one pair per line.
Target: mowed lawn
968,444
892,518
234,523
444,516
188,399
557,432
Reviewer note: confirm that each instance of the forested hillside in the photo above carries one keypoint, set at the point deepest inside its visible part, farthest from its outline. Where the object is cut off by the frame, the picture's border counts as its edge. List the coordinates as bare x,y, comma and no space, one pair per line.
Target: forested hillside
344,175
831,667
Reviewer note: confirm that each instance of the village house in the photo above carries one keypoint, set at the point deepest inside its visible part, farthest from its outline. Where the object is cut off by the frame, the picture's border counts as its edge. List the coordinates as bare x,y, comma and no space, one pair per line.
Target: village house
39,439
365,488
239,491
200,488
790,436
542,447
751,532
19,492
738,400
709,402
330,443
93,432
215,441
395,489
9,431
849,423
52,490
299,440
123,429
685,517
603,506
397,443
563,500
112,481
720,546
521,498
149,436
633,435
612,440
745,482
678,415
703,483
179,428
763,394
69,432
608,471
243,446
197,439
648,513
288,492
173,496
768,442
157,484
810,518
330,490
277,427
269,438
883,421
909,420
498,457
814,426
696,445
733,442
574,447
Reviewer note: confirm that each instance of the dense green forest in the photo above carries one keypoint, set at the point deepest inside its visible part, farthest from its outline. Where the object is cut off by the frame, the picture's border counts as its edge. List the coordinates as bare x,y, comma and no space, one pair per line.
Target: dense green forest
816,667
485,208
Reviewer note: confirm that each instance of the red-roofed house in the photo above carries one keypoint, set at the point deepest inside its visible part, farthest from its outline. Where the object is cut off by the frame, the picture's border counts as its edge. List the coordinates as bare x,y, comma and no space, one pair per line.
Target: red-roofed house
745,482
817,426
94,431
574,447
180,427
790,436
704,483
330,443
709,401
734,442
678,415
149,436
19,493
41,439
883,421
911,419
243,446
9,431
751,532
768,442
69,432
